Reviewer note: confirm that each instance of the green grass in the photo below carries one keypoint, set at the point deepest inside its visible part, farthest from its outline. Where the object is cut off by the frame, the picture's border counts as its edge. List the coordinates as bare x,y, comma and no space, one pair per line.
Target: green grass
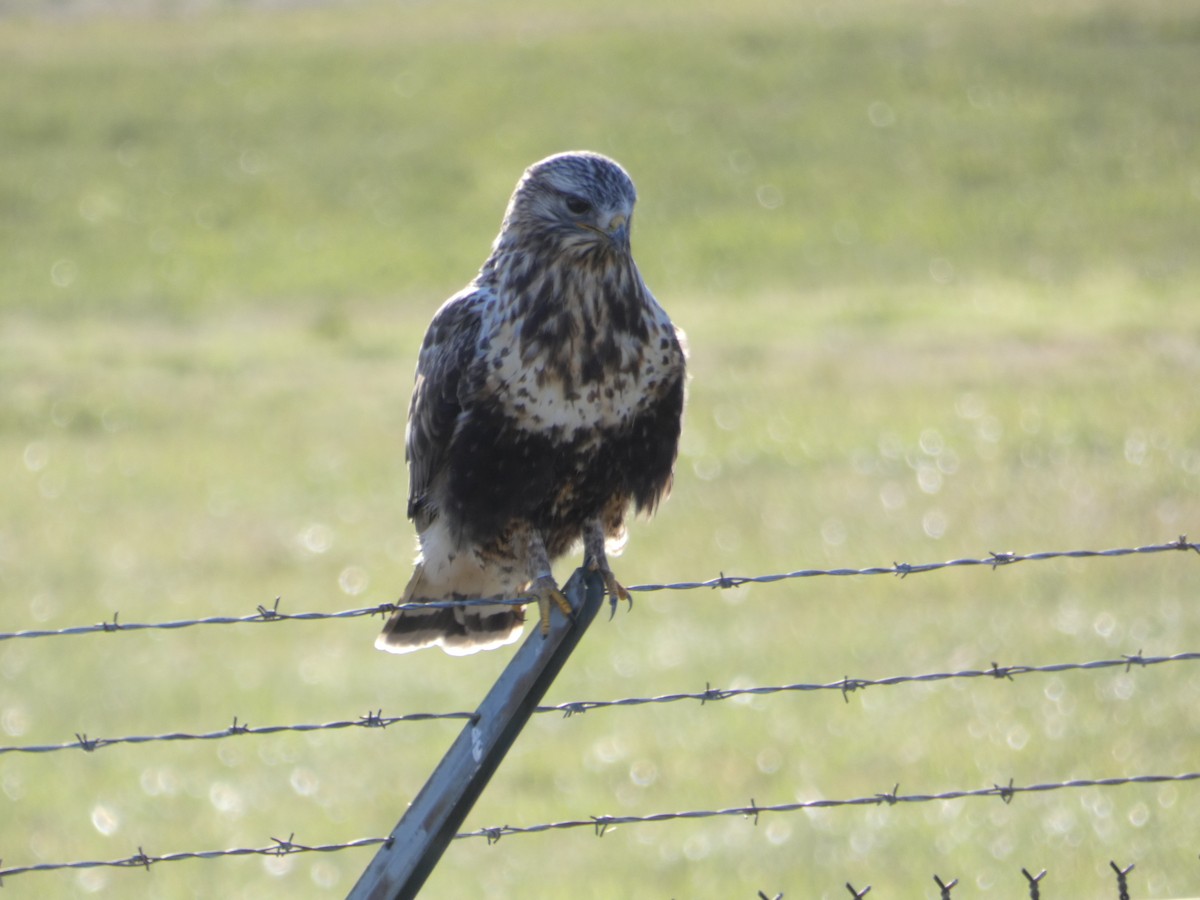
937,266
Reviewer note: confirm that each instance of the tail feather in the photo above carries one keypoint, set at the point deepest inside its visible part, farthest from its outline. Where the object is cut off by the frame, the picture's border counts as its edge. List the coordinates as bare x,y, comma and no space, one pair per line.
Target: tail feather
458,630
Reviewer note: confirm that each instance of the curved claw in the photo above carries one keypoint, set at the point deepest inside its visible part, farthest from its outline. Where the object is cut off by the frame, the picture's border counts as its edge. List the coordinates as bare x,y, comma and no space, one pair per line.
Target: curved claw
615,590
544,591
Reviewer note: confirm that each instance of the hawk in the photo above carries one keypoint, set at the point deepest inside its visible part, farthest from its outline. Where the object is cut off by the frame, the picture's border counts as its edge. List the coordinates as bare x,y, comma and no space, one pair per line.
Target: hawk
548,402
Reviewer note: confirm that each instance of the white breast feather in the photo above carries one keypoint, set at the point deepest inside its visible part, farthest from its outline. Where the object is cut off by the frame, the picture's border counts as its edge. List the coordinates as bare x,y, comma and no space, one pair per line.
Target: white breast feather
546,406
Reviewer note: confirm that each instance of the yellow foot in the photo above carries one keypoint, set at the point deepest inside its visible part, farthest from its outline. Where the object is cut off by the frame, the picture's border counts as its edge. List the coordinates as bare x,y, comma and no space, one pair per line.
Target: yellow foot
545,591
615,590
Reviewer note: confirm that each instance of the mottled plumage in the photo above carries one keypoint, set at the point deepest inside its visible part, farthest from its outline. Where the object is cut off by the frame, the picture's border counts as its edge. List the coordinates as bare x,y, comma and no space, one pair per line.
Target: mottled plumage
548,401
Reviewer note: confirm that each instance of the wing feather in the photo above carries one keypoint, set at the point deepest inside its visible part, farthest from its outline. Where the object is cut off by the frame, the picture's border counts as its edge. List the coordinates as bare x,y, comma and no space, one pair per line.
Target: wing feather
443,366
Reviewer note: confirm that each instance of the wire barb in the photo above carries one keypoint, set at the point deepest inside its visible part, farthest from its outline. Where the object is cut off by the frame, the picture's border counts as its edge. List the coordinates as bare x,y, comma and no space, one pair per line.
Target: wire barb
752,812
1122,887
1006,792
850,685
1033,880
999,671
890,798
712,693
944,887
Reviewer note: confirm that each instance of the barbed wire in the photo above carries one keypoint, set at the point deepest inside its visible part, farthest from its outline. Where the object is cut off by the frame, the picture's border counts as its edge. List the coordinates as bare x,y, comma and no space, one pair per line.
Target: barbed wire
141,859
602,824
846,686
264,614
370,720
1005,792
993,560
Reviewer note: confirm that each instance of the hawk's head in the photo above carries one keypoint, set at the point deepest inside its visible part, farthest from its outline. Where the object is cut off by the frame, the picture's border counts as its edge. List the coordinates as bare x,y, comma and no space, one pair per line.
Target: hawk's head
577,201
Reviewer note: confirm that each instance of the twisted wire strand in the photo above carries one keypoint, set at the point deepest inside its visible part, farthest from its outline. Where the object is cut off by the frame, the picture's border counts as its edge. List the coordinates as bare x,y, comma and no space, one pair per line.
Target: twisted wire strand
264,614
846,686
993,560
603,823
1005,792
141,859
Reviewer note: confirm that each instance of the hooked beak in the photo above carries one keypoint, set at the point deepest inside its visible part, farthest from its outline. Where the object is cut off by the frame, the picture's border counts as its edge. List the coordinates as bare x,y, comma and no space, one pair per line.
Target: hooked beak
618,230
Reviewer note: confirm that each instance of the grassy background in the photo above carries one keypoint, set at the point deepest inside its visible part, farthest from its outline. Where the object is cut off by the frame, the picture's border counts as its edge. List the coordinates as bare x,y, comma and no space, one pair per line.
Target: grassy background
937,262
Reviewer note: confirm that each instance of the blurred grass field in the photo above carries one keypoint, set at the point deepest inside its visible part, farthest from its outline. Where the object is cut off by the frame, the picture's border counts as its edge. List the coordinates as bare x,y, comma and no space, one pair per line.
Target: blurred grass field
938,266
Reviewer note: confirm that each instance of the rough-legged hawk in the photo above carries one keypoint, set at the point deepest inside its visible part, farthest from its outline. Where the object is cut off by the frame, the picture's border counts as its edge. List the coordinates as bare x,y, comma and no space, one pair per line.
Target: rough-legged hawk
548,400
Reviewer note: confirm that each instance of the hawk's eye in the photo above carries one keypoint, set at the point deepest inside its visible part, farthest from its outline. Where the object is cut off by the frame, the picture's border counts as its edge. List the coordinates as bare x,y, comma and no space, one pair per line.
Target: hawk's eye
578,205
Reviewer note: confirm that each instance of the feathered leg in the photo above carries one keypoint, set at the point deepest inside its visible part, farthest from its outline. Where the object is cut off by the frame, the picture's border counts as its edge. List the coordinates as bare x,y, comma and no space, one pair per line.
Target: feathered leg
543,588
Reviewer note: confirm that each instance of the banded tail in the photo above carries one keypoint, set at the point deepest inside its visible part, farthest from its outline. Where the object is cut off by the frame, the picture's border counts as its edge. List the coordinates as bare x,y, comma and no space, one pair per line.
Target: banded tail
458,630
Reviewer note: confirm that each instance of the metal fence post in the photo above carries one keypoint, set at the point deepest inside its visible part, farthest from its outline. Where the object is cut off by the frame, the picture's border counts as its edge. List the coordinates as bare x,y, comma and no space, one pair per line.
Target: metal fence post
417,842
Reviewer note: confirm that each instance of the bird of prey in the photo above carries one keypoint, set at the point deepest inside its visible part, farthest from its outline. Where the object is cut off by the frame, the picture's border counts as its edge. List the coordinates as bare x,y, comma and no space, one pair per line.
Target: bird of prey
548,401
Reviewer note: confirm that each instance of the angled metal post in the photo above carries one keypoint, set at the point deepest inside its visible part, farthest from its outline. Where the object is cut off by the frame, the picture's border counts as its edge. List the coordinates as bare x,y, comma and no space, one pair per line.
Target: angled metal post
417,842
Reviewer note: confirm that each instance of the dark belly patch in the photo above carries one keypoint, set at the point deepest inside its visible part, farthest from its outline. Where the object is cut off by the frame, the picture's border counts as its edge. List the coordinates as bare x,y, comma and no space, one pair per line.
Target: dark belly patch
497,473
